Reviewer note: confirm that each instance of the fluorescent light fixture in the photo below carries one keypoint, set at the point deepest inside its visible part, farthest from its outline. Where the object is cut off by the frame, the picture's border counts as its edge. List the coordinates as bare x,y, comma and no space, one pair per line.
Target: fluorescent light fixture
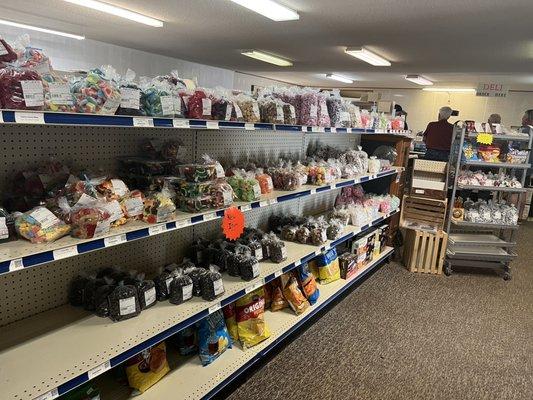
339,78
259,55
269,9
450,90
118,11
36,28
367,56
419,80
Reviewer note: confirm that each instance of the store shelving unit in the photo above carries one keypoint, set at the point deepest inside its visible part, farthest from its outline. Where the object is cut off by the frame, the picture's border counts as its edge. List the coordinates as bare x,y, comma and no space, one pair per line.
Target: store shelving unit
475,244
73,346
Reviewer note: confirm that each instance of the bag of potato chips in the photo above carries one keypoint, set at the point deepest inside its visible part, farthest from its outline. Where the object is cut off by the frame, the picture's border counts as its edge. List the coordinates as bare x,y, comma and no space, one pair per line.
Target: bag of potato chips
213,337
147,368
231,323
250,316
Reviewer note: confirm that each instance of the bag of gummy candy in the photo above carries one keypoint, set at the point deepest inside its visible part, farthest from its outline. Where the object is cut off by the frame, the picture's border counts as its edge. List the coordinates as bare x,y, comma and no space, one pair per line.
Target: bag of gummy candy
95,93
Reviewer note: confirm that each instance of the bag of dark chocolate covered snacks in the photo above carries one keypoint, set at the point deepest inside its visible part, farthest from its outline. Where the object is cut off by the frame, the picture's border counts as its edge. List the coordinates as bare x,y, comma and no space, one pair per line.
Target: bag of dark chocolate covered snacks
123,303
145,289
211,284
195,274
162,284
181,288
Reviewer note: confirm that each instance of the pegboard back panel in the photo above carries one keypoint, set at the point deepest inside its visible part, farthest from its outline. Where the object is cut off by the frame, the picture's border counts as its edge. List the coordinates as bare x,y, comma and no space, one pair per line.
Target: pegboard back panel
339,141
34,290
319,203
241,146
92,147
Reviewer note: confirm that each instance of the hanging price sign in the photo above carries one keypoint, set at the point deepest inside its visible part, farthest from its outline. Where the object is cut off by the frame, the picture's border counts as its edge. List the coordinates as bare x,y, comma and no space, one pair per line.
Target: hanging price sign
233,223
485,138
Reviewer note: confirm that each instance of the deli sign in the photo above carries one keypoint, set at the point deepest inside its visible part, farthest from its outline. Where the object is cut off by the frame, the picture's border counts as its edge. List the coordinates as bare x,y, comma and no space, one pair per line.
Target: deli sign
492,90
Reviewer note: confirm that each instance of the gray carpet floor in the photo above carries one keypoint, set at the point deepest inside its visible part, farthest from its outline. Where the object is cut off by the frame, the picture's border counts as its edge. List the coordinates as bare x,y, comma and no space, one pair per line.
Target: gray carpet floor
408,336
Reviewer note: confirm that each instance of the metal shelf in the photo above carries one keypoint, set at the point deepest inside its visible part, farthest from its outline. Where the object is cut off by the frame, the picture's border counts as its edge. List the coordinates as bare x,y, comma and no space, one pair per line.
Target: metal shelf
474,239
72,119
75,346
483,225
190,380
474,253
21,253
495,164
522,138
492,188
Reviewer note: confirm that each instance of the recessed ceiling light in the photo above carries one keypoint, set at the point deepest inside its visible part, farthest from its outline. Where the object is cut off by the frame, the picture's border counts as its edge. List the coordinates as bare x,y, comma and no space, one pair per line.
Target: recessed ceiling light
339,78
259,55
118,11
444,89
36,28
419,80
367,56
269,9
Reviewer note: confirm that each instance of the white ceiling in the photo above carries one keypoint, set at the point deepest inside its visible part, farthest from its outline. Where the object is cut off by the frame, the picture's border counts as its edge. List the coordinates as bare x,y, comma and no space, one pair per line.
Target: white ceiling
453,42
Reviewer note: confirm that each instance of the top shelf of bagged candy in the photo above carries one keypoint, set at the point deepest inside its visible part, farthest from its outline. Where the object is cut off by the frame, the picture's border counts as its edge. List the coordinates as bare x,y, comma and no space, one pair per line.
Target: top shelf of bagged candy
29,82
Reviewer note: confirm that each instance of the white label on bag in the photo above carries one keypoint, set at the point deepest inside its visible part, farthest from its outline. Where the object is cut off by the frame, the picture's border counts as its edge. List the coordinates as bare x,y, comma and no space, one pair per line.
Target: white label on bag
228,112
130,98
214,308
279,113
255,108
168,281
293,111
283,252
85,201
187,292
119,187
259,253
238,111
113,240
143,122
180,123
255,272
257,190
44,217
167,105
206,107
323,108
149,296
29,117
323,235
60,93
228,197
211,124
218,287
345,116
99,370
33,93
4,232
154,230
15,265
114,209
134,206
1,118
313,111
127,306
51,395
177,105
65,253
219,170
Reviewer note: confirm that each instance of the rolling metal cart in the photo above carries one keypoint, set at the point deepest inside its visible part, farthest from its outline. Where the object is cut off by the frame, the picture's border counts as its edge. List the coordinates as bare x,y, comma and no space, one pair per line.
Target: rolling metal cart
475,244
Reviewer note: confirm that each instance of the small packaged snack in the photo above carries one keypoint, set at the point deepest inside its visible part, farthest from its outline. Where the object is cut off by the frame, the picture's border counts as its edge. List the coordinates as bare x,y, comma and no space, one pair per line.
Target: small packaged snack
180,289
318,235
211,284
309,107
278,301
21,89
130,103
323,115
249,108
271,111
289,114
187,341
308,283
112,189
328,266
265,181
221,194
256,249
293,294
277,249
89,221
335,229
194,204
196,275
162,283
249,268
133,205
147,368
123,303
57,95
101,298
347,265
95,93
156,97
199,105
231,322
145,289
213,337
40,225
250,316
303,234
221,107
159,207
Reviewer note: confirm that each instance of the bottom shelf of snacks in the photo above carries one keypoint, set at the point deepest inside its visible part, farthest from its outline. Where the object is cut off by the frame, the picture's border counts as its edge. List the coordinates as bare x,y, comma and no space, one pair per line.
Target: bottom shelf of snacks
188,379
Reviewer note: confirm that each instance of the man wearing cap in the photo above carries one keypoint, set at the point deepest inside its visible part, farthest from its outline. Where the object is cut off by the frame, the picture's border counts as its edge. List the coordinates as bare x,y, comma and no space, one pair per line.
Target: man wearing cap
438,137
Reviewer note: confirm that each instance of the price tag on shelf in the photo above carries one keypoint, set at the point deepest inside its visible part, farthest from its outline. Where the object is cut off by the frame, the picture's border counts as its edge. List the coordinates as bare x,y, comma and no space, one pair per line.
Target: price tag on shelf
114,240
273,201
180,123
348,130
214,307
143,122
51,395
317,252
182,223
67,252
312,191
263,203
278,273
246,207
211,124
333,129
1,117
210,216
255,286
154,230
15,265
99,370
249,127
29,117
304,128
297,263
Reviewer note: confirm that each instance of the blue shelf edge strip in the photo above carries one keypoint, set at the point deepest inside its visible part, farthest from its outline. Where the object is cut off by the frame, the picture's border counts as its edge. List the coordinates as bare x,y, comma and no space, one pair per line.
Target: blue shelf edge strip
81,379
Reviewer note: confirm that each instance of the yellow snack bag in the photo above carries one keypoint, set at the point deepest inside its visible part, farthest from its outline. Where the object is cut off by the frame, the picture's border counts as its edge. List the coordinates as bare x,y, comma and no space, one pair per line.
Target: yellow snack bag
146,369
328,267
231,322
250,316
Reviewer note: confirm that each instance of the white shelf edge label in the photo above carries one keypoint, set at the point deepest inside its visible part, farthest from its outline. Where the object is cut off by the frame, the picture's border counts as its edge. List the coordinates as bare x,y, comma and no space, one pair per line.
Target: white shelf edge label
312,191
211,124
273,201
183,223
304,128
143,122
29,117
1,117
114,240
16,265
263,203
210,216
52,394
255,286
180,123
70,251
214,308
278,273
298,263
246,207
249,127
99,370
317,252
333,130
154,230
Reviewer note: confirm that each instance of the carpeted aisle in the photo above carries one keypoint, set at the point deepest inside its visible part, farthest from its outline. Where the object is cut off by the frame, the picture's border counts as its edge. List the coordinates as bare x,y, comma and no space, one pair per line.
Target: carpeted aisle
406,336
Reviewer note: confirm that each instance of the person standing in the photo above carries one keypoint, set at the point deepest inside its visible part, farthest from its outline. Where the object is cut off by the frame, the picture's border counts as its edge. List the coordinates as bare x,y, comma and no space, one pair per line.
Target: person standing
438,137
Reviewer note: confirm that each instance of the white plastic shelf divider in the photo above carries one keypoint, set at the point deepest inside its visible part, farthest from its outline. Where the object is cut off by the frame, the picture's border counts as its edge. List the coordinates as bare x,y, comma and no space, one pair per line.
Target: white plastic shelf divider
20,254
58,118
191,381
72,344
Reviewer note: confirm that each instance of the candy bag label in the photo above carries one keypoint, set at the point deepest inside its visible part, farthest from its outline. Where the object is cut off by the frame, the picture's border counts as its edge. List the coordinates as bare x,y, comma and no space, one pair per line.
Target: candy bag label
345,116
33,93
238,111
134,206
206,107
44,217
228,197
126,306
283,252
110,106
130,98
218,286
60,93
85,200
228,112
4,233
258,254
255,270
219,170
313,111
119,187
257,190
323,109
279,113
177,104
102,227
256,110
114,209
149,296
187,292
293,111
168,281
167,105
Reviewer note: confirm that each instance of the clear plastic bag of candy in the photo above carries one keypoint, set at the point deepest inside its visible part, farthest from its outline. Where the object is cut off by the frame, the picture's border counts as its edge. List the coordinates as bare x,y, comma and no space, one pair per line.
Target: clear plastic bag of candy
289,114
95,93
323,114
221,194
178,91
40,225
245,186
249,108
21,89
89,221
355,115
195,274
194,204
200,104
112,189
123,303
162,282
159,206
277,249
221,106
236,112
7,54
335,229
101,298
116,212
180,289
308,107
265,181
57,95
271,111
156,97
130,103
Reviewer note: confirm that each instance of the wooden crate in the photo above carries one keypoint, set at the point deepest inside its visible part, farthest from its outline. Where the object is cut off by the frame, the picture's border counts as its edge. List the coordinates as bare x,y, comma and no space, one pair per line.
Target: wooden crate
422,213
425,252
